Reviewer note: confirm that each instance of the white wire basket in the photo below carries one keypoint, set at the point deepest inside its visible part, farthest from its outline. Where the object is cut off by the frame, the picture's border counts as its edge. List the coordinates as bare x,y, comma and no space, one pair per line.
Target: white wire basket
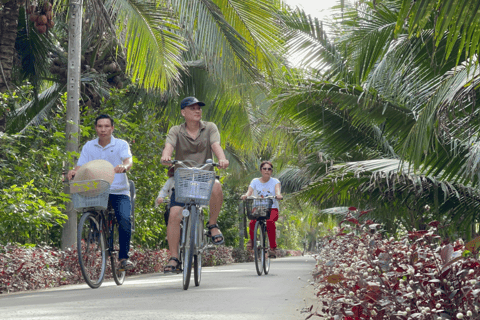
193,185
90,194
258,208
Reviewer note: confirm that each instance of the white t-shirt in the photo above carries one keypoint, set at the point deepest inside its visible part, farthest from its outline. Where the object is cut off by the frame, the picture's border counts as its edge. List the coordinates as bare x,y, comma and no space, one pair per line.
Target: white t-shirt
114,152
266,189
167,189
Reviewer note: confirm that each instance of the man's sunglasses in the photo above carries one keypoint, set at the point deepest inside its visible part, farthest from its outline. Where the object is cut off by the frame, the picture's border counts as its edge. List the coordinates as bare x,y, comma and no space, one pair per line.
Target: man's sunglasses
267,169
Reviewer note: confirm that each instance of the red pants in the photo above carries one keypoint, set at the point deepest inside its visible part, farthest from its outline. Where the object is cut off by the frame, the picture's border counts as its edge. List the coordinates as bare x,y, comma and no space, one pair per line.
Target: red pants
271,229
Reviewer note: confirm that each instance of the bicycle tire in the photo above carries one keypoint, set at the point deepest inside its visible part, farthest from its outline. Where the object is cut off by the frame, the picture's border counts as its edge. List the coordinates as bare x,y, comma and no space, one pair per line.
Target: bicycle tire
188,250
118,276
257,247
91,250
197,266
197,258
266,248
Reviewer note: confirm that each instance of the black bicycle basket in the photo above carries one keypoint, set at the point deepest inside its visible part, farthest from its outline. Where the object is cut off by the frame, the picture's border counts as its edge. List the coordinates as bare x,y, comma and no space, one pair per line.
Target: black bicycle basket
258,208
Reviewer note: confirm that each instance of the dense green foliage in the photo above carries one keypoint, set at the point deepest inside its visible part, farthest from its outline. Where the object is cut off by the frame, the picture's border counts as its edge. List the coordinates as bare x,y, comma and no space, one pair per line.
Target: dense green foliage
383,118
387,114
31,182
30,212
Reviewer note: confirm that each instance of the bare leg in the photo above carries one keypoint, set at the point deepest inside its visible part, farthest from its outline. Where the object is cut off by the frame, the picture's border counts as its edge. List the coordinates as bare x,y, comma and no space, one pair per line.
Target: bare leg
173,232
215,205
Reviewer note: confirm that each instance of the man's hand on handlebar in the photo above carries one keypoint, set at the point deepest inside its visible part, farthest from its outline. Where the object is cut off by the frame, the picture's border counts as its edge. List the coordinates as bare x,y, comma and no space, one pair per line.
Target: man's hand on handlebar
279,197
71,174
166,161
223,164
121,168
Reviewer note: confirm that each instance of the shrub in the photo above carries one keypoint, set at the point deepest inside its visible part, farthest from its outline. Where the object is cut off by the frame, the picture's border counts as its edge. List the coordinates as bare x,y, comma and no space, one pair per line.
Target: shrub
24,268
240,255
148,260
26,217
217,256
39,267
360,275
31,268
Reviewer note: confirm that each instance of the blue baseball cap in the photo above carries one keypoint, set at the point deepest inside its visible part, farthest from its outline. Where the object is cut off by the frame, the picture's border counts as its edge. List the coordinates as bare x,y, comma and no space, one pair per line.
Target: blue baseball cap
188,101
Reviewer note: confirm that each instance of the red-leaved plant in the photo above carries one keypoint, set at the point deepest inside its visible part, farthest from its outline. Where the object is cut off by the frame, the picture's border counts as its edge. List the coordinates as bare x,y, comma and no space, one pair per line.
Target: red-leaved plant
40,267
360,275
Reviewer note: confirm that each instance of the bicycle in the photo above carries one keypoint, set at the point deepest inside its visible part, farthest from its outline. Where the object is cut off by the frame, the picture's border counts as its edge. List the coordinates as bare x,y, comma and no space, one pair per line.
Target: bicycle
193,187
96,236
259,209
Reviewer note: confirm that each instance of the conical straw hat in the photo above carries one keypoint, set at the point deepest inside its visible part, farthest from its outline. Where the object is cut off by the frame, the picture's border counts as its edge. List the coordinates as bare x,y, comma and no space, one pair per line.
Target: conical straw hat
94,170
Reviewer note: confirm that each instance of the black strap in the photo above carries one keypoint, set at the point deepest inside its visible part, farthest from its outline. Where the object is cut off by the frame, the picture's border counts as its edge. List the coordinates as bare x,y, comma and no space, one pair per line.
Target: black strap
212,226
174,259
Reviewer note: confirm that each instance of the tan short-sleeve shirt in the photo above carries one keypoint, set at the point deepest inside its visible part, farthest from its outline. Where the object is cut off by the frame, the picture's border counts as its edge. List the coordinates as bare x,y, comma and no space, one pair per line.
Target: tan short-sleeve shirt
187,148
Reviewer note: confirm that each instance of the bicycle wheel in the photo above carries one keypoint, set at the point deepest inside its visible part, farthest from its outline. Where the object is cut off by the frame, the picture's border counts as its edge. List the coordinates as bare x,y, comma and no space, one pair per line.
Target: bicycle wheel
197,267
266,248
114,247
257,247
197,258
188,250
91,250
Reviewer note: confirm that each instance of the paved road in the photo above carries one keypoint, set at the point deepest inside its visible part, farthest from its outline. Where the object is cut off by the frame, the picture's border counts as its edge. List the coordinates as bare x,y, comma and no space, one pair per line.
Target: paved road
231,292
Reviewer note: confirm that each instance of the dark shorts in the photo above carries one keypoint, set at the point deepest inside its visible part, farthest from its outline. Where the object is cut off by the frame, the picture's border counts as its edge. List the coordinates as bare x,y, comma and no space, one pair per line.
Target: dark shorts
174,203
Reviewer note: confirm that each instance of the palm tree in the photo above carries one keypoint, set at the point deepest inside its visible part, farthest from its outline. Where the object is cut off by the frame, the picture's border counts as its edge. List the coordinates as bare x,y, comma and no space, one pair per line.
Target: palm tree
386,99
159,44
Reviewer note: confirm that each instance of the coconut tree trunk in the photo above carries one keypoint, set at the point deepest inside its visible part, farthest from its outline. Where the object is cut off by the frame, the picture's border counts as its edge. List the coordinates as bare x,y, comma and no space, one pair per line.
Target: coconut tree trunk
8,34
69,232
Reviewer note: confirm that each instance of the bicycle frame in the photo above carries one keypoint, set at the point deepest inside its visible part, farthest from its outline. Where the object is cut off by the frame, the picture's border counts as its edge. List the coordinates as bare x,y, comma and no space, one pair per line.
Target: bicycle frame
96,228
103,222
193,240
260,241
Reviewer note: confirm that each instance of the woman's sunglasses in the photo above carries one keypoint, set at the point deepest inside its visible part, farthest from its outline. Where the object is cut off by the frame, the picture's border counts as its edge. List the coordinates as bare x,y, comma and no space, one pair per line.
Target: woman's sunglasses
267,169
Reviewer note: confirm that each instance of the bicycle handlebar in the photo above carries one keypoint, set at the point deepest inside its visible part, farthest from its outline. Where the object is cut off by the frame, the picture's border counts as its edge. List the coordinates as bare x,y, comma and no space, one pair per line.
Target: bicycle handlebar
207,164
261,198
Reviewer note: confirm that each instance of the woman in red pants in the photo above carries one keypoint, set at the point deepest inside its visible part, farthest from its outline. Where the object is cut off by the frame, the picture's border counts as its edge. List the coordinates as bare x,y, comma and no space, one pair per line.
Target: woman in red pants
264,187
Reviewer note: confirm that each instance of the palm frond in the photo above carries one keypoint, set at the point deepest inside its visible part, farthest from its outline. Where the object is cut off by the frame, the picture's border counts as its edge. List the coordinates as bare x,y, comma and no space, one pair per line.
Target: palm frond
148,29
235,39
35,112
456,18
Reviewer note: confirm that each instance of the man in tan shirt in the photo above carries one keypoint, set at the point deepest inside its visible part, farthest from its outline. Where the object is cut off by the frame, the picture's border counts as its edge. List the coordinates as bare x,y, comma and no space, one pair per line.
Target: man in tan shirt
193,140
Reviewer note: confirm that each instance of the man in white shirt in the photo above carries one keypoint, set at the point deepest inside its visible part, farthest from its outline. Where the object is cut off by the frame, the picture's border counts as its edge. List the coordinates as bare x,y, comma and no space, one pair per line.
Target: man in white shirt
117,152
